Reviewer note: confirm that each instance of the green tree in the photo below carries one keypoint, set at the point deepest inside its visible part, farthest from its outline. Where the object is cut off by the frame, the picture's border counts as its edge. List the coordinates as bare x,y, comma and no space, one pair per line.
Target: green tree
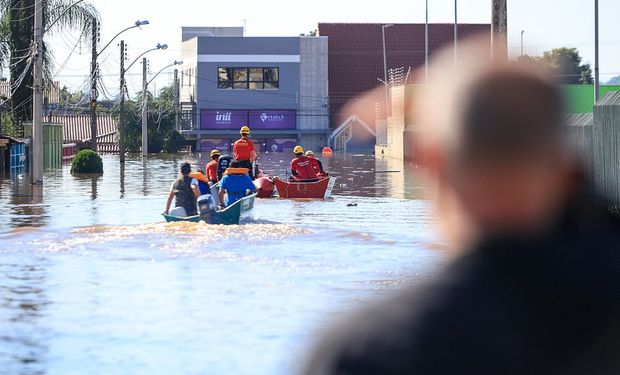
565,65
162,135
310,33
16,36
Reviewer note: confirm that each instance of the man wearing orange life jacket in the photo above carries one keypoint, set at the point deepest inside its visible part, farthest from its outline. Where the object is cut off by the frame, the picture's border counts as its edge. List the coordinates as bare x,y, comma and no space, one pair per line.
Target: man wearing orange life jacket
212,167
244,151
301,166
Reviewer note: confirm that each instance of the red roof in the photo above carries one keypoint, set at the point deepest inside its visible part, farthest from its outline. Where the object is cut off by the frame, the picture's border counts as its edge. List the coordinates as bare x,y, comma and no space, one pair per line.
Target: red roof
356,53
76,128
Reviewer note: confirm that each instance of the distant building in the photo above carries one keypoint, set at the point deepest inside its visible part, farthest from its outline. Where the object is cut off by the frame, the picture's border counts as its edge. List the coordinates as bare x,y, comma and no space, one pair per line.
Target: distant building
51,93
356,58
276,85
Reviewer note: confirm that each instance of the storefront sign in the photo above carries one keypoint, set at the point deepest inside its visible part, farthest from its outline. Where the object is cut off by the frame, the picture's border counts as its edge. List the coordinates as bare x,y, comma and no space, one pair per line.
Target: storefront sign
273,119
280,145
207,145
222,119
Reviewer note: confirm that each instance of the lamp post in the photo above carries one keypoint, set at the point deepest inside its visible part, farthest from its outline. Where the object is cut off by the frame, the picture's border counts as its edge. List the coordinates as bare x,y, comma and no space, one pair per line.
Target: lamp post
385,77
456,29
522,32
596,71
94,76
121,116
426,45
145,103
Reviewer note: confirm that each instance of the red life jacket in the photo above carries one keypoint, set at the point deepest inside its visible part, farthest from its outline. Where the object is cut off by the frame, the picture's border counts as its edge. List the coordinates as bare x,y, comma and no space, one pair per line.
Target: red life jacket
316,166
212,171
242,149
301,167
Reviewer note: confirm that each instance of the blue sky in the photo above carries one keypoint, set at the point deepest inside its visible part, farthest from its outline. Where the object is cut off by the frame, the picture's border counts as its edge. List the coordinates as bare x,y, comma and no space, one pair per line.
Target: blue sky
547,24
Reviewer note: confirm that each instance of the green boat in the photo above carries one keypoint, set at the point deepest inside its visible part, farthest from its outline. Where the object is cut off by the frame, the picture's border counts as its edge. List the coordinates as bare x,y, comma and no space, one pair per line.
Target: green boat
231,215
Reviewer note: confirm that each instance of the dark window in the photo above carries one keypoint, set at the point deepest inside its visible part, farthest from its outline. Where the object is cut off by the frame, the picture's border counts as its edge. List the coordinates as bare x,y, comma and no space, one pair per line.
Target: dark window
248,78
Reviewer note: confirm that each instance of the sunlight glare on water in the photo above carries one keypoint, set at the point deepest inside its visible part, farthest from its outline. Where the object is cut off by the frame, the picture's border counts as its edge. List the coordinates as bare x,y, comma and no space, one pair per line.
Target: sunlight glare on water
93,281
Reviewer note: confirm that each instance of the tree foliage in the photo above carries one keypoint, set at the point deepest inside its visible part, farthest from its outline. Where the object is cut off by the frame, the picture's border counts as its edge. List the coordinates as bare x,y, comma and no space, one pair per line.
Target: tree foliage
564,64
162,134
87,161
16,47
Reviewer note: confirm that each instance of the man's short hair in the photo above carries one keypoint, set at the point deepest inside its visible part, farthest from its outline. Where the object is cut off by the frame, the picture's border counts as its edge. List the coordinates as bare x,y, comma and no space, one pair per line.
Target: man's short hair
186,168
510,113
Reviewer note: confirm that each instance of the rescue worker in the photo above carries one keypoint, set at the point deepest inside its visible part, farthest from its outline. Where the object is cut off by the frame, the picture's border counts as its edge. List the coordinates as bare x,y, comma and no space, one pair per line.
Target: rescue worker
244,150
235,184
316,164
185,194
212,167
301,166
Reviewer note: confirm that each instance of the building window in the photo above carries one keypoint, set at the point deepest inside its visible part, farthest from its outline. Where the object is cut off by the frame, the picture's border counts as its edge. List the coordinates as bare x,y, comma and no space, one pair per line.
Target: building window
248,78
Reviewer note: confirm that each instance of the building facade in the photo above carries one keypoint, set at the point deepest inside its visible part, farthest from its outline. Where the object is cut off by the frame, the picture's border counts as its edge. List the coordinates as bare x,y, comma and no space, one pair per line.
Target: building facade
278,86
356,61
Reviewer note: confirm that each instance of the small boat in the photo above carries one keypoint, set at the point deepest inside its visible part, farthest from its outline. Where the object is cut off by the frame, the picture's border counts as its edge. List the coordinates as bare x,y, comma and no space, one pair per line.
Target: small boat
320,189
264,187
231,215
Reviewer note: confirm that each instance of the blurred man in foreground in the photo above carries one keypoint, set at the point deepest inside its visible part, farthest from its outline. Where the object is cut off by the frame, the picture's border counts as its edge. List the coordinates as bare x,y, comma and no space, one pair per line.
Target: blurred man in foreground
534,286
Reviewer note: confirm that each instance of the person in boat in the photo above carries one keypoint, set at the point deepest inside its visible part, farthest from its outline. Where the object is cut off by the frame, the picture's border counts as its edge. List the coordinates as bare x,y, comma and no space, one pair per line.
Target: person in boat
185,194
316,164
244,151
200,179
301,166
235,184
212,167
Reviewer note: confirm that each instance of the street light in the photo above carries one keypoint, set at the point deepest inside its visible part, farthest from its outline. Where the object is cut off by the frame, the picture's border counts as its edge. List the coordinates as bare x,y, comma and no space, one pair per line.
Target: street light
385,78
121,116
157,47
426,45
522,32
145,84
136,24
596,71
180,62
94,76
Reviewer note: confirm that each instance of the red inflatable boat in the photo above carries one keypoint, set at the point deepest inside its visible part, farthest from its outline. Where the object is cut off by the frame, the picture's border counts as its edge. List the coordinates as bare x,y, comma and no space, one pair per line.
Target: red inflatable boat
317,190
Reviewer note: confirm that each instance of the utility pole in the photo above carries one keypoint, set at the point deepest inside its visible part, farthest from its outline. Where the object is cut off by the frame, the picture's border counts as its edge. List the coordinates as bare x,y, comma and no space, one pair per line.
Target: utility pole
456,30
499,28
176,100
121,116
596,72
36,169
385,75
93,88
426,45
144,111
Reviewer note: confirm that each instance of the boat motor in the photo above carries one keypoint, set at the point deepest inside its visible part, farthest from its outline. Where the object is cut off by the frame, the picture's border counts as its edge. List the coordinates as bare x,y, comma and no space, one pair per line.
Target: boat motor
206,205
222,163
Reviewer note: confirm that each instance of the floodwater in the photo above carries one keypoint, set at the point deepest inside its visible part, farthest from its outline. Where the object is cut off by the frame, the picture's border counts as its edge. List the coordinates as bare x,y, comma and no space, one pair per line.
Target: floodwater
93,282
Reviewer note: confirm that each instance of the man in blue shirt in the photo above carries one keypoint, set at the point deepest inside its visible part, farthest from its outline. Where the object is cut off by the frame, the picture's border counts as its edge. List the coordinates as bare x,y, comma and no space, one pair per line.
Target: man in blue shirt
235,183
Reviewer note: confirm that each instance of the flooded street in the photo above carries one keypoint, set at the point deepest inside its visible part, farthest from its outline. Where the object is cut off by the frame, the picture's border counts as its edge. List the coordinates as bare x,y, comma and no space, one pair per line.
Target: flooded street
93,281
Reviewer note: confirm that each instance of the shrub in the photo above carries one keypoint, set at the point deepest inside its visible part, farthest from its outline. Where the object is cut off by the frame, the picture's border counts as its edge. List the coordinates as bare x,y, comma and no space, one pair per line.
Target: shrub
87,161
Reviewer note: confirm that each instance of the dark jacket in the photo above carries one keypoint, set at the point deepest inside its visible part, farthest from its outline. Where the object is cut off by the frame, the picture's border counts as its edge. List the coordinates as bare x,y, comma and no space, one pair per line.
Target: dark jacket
511,305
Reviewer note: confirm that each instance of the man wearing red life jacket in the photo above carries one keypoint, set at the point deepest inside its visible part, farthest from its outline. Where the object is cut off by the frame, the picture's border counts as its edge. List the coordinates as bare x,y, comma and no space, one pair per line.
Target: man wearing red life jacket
244,151
301,166
212,167
316,164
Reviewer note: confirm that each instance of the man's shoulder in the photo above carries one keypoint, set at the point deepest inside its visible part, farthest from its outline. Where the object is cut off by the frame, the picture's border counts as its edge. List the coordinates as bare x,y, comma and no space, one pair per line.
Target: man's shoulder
424,328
